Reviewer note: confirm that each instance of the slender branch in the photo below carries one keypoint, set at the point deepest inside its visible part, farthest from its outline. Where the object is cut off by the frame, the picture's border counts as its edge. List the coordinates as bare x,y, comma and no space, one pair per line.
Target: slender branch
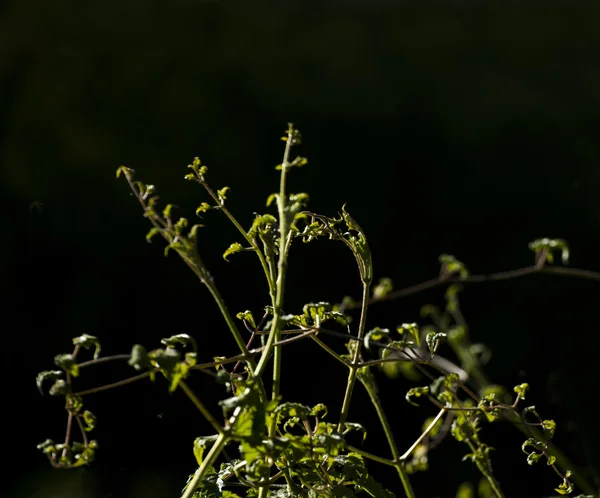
424,435
370,456
353,369
206,464
383,420
119,383
506,275
201,408
104,359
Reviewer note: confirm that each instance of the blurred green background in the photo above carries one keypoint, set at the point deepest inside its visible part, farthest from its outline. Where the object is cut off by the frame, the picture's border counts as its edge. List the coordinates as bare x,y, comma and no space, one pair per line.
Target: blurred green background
446,128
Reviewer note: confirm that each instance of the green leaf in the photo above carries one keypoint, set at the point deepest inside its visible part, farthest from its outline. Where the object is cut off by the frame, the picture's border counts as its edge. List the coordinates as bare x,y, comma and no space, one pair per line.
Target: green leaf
90,420
465,490
67,363
432,339
183,339
47,375
200,445
233,248
139,358
566,486
247,316
203,208
87,342
549,427
222,193
413,331
521,390
59,388
377,334
551,245
128,172
383,288
452,266
416,392
168,211
271,198
154,231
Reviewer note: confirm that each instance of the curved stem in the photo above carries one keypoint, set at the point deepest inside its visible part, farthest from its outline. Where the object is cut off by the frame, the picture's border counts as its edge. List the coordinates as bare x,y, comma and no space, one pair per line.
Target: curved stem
206,464
356,359
397,459
201,408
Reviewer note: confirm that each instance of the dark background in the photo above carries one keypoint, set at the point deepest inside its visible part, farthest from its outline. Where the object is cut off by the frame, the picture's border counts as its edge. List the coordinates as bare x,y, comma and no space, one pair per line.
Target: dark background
448,128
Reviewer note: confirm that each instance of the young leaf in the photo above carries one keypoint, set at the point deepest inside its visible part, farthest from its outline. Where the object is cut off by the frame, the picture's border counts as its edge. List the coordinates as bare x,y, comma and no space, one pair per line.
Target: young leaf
90,420
47,375
88,341
416,392
139,358
67,363
383,288
247,315
233,248
432,339
183,339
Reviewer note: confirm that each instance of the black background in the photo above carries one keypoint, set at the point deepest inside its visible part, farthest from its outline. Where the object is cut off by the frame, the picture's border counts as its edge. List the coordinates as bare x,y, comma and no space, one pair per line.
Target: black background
447,128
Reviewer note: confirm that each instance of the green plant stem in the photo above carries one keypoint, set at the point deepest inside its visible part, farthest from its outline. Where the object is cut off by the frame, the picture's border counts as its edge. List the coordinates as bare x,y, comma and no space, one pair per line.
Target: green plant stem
353,368
275,333
201,408
248,239
206,464
331,351
424,435
397,459
486,473
371,456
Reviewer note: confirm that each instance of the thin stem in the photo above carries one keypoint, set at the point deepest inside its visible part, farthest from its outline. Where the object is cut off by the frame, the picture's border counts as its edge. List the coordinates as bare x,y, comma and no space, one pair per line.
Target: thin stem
424,435
486,472
397,459
506,275
201,408
119,383
331,351
206,464
247,237
371,456
353,369
104,359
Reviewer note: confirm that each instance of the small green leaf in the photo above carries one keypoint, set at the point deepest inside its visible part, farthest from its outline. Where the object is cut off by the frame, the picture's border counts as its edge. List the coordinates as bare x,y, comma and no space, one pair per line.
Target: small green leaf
271,198
549,427
222,193
203,208
124,170
416,392
153,232
413,331
247,316
183,339
432,339
139,358
67,363
383,288
521,390
233,248
200,445
168,210
47,375
59,388
88,341
90,420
